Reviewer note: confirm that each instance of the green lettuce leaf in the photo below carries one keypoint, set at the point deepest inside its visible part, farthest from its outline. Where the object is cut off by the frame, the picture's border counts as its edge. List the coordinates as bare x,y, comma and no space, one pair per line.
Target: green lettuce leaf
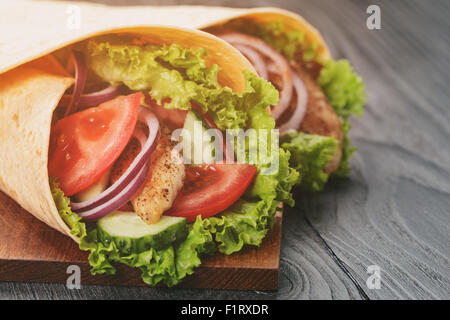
345,91
199,242
343,87
244,223
77,228
181,75
310,154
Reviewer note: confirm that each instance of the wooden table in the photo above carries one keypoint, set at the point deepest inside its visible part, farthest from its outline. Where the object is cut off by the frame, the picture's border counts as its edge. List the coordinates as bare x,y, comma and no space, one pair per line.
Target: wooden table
394,210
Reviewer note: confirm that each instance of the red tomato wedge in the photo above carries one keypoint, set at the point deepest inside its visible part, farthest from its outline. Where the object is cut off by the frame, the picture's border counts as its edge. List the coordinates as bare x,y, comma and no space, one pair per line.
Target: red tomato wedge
84,145
210,189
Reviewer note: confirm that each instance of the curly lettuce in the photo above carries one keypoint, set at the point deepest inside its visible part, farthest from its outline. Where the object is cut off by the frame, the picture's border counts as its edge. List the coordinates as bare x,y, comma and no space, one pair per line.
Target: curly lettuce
178,76
310,154
77,228
345,91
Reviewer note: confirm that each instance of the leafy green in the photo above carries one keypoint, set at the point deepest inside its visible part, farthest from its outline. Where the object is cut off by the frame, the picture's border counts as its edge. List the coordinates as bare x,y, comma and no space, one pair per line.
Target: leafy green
310,154
181,75
345,91
87,240
77,228
244,223
343,87
198,242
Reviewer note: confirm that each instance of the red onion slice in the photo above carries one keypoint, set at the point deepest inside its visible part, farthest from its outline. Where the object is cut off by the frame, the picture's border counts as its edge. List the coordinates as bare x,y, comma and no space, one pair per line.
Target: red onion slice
236,38
255,58
147,117
80,67
296,119
118,200
92,99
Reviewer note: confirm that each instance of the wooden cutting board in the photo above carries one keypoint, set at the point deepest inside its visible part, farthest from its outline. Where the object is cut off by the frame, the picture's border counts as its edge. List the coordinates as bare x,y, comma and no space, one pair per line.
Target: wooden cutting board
30,251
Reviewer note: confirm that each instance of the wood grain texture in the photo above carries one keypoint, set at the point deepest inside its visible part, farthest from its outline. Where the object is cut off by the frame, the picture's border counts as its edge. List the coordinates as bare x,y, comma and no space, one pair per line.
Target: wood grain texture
31,251
393,211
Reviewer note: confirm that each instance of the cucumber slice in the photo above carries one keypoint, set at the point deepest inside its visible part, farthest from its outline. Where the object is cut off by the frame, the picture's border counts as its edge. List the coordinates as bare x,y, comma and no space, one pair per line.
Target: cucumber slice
198,147
132,235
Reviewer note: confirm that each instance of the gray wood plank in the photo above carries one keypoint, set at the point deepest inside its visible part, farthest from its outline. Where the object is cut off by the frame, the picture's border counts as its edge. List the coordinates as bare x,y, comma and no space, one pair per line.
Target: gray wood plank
393,211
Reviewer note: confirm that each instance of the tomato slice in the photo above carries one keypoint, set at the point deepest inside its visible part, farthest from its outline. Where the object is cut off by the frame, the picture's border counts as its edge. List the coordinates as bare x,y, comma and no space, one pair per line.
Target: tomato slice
210,189
84,145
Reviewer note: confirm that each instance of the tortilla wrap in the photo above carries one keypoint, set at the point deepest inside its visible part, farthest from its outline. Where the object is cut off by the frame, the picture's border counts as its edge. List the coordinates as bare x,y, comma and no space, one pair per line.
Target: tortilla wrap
32,83
34,28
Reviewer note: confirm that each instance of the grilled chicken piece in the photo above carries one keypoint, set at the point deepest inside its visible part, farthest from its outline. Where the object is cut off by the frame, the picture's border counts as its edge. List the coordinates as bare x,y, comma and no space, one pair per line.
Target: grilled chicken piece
164,180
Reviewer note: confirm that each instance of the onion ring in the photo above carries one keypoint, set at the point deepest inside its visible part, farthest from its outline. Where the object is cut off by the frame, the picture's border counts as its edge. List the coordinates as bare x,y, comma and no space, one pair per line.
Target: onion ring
236,38
80,67
119,199
92,99
255,58
296,119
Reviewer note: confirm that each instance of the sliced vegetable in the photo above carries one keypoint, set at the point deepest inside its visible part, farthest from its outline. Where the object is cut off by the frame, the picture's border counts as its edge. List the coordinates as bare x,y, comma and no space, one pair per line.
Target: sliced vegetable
93,98
237,38
117,200
183,76
132,235
210,189
80,67
297,116
84,145
124,188
256,59
310,155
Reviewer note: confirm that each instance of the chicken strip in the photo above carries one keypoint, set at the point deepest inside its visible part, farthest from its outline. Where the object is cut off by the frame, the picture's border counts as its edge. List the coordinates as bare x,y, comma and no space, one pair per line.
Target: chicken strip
164,180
